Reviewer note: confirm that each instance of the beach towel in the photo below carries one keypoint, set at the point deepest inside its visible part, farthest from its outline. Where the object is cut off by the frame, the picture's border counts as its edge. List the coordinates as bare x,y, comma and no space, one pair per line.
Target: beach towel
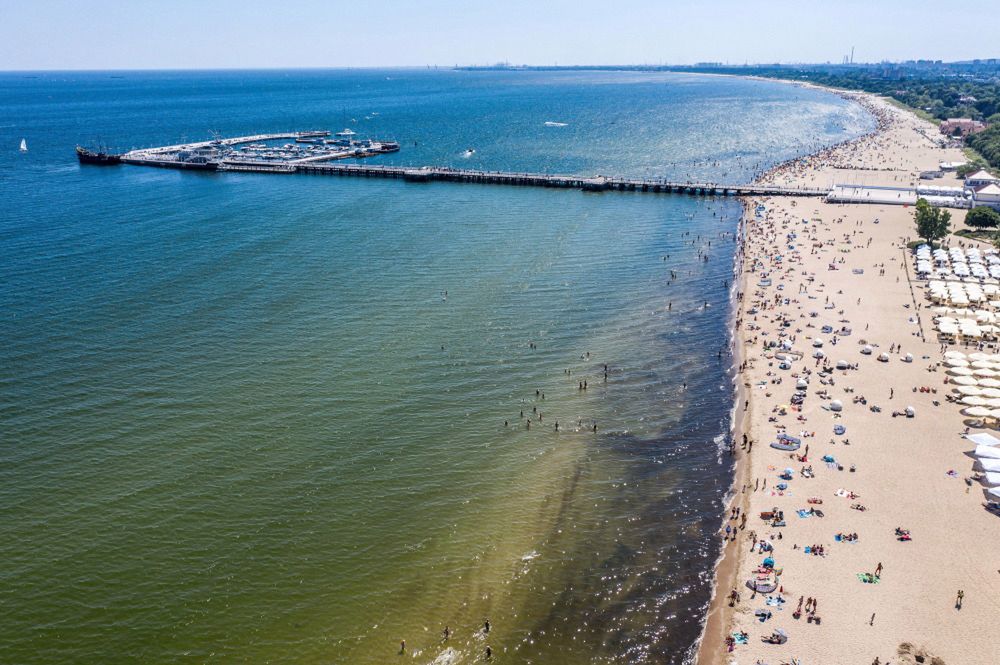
868,578
740,639
803,513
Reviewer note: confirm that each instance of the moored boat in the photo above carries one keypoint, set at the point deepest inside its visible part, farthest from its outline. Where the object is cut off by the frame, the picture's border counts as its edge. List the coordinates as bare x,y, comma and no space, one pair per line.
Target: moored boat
100,158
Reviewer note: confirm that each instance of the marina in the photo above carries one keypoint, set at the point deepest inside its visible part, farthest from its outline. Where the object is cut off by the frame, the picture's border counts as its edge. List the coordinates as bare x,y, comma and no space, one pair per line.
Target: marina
260,152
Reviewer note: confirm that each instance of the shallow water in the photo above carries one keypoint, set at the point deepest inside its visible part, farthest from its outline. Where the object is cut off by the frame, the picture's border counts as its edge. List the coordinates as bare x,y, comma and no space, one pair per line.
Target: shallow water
241,420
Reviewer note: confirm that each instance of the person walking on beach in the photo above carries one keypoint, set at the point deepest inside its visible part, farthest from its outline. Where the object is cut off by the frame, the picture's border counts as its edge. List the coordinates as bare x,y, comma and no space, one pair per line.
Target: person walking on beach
959,599
878,569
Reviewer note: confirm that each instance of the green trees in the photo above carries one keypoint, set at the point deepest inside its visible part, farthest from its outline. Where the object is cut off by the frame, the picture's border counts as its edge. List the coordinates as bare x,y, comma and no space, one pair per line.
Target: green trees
970,167
987,143
982,218
932,223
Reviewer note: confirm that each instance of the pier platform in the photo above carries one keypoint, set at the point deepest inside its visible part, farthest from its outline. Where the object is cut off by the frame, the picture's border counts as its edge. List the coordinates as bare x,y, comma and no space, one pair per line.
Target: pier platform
218,155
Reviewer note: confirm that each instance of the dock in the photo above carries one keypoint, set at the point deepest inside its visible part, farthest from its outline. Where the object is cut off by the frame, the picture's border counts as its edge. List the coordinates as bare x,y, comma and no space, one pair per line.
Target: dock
585,183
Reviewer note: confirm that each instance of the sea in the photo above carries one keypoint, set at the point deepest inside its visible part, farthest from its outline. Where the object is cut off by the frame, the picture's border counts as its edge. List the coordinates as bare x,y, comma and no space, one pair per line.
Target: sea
251,418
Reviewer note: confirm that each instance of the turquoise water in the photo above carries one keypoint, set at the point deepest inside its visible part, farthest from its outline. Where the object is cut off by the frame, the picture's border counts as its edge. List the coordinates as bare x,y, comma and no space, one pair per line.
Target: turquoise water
251,418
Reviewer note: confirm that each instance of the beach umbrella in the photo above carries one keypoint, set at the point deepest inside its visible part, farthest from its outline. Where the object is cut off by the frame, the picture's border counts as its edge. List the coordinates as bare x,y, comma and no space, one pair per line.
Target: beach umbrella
983,439
961,371
994,412
992,479
969,390
989,383
965,381
995,492
956,362
989,452
985,372
958,355
977,411
979,355
990,464
973,400
982,364
989,392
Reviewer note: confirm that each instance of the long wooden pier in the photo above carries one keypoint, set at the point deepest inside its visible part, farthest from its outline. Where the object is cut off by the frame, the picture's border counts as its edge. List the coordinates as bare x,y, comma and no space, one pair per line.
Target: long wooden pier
164,157
595,184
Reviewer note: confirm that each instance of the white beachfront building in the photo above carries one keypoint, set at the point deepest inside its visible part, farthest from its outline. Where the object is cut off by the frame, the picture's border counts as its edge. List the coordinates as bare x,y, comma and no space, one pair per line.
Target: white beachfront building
981,178
988,196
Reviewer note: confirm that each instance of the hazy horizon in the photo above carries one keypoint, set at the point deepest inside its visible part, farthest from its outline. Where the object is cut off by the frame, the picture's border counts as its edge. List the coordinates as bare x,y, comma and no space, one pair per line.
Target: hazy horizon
60,35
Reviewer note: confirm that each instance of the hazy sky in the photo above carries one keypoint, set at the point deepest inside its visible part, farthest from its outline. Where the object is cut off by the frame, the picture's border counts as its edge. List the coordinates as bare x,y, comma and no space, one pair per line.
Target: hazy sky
152,34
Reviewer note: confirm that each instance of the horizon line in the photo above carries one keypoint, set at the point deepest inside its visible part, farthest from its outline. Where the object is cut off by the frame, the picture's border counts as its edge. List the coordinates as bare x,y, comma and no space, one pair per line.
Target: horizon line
496,65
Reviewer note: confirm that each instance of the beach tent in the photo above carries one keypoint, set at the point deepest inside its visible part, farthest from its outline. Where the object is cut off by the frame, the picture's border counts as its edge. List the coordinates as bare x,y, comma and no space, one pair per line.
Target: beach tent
983,439
990,465
990,452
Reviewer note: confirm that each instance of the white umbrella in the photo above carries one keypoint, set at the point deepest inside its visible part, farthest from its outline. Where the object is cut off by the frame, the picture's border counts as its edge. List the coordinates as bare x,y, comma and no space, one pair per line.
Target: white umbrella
977,412
979,355
989,392
972,400
982,364
995,408
961,371
989,383
989,373
990,452
965,381
969,390
956,362
955,354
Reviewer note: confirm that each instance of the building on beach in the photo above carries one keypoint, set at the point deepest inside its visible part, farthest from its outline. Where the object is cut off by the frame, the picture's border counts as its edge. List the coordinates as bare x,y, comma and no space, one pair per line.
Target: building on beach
980,179
988,196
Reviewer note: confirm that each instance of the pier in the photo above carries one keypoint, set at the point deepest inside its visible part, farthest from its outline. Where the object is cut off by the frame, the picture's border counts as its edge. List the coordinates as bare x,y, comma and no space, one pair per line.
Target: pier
592,184
220,155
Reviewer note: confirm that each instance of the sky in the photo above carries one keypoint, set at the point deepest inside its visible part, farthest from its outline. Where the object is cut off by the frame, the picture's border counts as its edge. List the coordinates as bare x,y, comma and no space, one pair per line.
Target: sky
210,34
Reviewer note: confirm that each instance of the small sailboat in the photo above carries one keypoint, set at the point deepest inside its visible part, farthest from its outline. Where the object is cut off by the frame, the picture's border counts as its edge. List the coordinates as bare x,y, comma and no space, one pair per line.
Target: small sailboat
24,146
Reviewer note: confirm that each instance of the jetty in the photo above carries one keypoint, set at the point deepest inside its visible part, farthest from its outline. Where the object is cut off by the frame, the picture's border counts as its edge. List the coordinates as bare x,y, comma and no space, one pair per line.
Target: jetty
585,183
224,155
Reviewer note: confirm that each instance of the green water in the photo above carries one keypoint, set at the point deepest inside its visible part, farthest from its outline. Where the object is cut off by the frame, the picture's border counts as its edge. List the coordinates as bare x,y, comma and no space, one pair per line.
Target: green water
242,422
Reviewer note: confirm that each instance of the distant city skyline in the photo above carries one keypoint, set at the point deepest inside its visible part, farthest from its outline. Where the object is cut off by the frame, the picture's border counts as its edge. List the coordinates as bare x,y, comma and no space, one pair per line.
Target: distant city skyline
224,34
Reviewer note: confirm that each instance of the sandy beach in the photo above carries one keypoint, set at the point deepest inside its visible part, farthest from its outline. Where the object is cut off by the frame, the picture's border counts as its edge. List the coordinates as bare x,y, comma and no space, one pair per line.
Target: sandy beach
869,530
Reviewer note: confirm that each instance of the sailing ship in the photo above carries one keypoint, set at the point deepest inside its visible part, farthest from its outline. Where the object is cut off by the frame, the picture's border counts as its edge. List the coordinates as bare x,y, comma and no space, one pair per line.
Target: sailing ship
101,158
24,146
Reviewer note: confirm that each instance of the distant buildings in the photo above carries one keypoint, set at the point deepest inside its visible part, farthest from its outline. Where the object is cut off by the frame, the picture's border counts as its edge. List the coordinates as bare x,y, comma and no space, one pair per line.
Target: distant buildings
962,126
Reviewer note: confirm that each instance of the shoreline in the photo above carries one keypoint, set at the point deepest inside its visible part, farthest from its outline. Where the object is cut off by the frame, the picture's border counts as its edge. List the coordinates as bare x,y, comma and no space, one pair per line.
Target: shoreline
852,260
718,615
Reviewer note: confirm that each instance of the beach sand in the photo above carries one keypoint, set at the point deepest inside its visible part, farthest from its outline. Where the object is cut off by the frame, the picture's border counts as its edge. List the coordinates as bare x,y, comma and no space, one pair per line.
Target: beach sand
900,464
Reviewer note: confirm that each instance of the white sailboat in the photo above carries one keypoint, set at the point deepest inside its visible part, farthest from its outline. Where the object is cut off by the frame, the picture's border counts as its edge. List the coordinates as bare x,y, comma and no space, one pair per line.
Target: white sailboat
24,146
